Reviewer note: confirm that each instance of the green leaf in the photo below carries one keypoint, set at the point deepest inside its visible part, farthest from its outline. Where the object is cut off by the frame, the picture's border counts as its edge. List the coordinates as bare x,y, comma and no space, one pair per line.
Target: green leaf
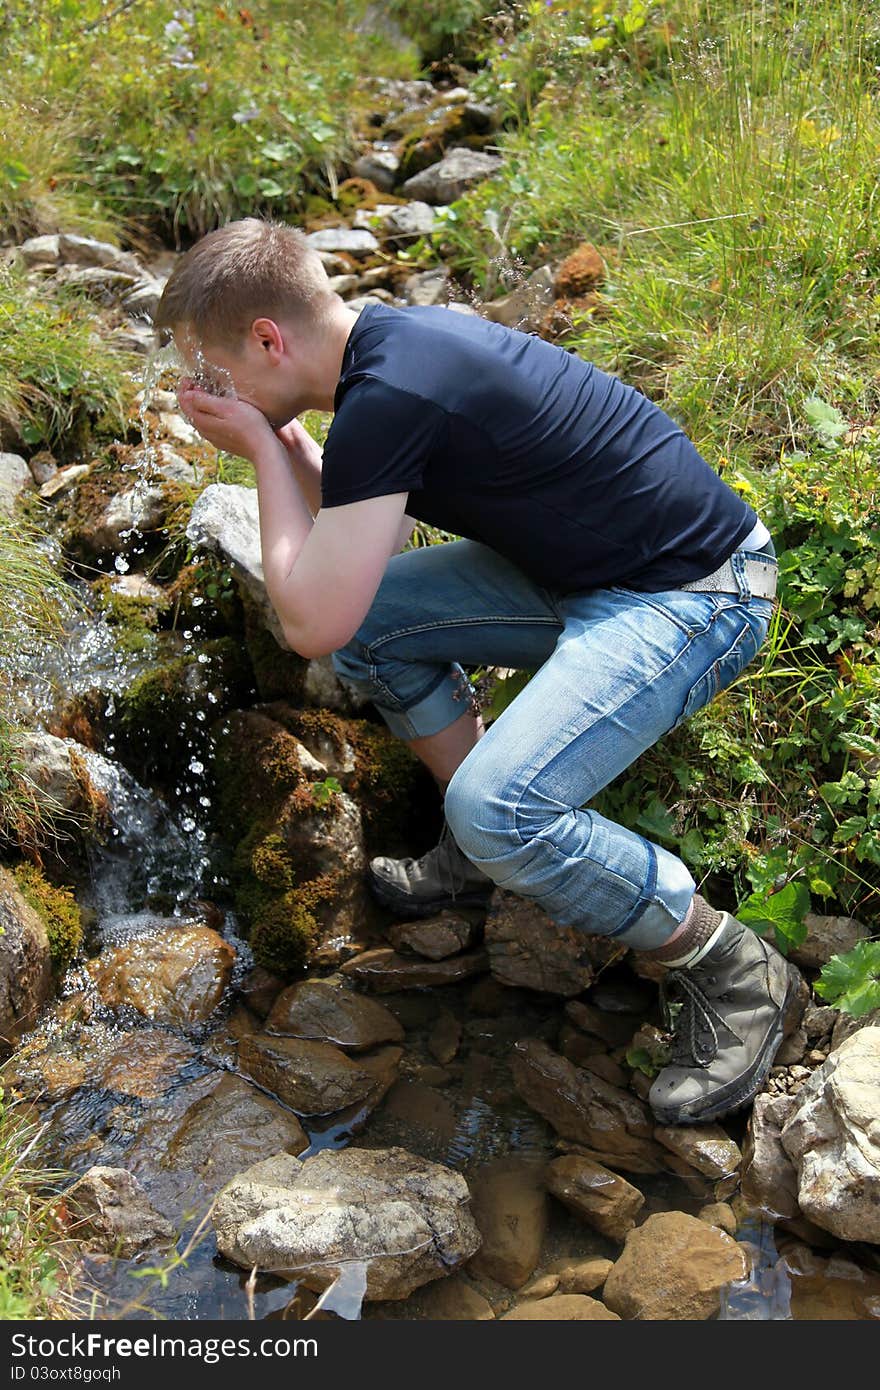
826,419
783,911
851,982
656,820
506,689
270,188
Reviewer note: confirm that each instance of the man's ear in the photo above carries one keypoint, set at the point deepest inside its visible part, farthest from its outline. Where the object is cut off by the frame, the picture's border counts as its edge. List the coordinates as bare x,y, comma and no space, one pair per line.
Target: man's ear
268,338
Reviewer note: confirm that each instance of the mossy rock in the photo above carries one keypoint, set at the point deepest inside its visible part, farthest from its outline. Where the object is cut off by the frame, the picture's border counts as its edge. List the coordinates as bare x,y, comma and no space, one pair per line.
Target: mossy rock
58,910
155,724
278,674
205,595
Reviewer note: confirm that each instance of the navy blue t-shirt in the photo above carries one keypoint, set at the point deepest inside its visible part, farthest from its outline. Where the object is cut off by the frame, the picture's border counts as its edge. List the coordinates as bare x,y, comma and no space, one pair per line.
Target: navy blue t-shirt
503,438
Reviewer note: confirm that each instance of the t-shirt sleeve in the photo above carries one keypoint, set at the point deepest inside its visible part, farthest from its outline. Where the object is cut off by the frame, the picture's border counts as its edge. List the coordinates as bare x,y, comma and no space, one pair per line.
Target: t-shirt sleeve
379,443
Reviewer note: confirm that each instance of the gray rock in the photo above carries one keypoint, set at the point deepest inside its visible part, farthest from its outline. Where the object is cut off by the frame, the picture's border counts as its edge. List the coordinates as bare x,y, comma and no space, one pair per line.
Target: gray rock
15,479
101,283
352,241
362,300
86,251
833,1137
126,516
141,301
769,1178
527,948
405,1218
40,251
173,466
333,264
524,307
25,963
406,222
226,521
482,117
323,689
58,770
452,176
845,1025
428,287
114,1214
379,166
827,937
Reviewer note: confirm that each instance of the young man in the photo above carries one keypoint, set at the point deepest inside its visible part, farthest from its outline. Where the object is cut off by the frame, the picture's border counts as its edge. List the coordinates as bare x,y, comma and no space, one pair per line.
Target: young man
601,552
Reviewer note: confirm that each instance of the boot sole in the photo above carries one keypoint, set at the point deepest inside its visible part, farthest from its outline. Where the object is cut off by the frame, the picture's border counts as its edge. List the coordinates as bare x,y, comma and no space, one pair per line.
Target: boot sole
405,906
735,1096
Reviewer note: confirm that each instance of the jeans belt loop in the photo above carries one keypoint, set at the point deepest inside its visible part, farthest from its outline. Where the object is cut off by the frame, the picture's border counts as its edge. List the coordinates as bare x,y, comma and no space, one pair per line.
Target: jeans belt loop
744,574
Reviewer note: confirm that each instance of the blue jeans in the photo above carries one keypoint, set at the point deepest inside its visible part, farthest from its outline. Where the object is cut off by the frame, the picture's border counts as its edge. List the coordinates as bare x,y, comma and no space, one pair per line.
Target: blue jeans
615,669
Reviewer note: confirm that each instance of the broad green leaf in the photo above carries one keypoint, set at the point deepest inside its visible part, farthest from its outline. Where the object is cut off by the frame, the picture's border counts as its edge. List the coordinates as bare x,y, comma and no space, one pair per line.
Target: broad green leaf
783,911
656,821
851,982
826,419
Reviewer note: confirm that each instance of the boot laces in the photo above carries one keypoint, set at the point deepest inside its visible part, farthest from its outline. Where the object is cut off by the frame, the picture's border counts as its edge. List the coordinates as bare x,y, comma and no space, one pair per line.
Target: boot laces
691,1019
447,853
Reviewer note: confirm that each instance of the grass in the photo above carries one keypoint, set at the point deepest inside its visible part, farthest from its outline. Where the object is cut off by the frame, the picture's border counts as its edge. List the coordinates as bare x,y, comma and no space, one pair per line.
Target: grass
35,1256
173,119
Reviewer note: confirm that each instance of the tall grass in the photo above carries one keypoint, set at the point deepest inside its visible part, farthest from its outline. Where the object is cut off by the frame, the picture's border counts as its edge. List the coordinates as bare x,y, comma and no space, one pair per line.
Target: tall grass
35,1256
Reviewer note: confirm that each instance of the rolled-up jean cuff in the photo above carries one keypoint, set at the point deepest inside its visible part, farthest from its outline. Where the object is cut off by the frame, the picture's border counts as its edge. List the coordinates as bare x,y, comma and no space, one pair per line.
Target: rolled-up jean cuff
434,712
670,899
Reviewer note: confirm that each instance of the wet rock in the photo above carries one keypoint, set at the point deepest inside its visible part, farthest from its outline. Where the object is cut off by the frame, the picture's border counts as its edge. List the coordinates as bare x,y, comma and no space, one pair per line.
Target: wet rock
510,1209
769,1178
834,1289
435,938
230,1129
143,508
313,1078
418,1106
405,1217
614,1029
86,251
385,971
721,1215
225,520
561,1307
606,1201
428,287
673,1267
581,1049
704,1147
541,1287
379,166
450,1300
827,937
60,771
332,1013
40,251
177,977
15,479
142,300
524,308
833,1138
452,176
607,1068
25,963
350,241
114,1214
407,222
259,989
581,1276
445,1038
527,948
614,1125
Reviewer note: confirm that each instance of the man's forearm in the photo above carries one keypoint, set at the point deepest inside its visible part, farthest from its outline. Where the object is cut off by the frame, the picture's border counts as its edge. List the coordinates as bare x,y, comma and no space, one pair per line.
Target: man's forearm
305,460
285,523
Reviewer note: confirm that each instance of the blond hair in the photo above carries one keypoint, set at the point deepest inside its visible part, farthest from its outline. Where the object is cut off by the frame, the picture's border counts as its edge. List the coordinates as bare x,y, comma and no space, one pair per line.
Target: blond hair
245,270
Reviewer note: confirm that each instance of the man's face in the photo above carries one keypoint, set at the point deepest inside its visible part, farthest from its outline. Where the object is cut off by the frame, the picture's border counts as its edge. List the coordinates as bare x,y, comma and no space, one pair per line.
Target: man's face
247,374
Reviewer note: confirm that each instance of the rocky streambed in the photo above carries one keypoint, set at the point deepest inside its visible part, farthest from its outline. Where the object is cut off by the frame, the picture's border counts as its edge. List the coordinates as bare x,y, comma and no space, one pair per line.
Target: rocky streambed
274,1100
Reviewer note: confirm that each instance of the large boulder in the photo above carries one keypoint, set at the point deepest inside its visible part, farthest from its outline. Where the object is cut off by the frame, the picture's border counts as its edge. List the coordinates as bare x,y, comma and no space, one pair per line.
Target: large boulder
527,948
612,1125
833,1138
225,521
25,963
176,977
674,1268
405,1218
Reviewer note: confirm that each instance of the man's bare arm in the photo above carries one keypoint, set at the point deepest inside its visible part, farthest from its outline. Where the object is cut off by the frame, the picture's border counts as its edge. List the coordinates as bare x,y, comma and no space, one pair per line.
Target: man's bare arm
305,459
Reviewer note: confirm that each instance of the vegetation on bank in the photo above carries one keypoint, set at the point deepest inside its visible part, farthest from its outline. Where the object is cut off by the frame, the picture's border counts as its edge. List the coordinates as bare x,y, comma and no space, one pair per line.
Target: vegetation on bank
35,1259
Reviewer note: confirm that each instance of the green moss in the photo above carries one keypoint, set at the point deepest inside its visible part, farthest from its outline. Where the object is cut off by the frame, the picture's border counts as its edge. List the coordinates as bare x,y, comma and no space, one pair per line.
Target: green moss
284,929
256,764
279,674
58,910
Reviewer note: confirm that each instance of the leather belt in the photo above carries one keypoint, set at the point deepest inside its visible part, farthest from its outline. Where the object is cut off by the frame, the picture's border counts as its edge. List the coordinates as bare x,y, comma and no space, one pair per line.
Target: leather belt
760,573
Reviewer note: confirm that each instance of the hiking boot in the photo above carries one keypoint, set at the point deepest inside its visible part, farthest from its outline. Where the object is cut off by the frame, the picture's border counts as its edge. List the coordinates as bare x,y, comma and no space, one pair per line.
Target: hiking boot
442,878
728,1014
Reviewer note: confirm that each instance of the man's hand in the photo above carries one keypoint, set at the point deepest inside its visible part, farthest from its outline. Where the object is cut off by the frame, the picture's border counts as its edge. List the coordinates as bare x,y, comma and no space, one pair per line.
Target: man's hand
226,423
298,442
